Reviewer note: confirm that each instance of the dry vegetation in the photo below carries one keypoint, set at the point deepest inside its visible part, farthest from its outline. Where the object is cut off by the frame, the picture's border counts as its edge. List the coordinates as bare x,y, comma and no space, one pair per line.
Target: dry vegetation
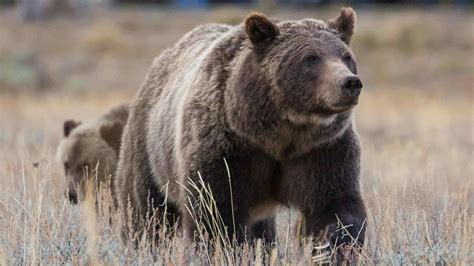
415,120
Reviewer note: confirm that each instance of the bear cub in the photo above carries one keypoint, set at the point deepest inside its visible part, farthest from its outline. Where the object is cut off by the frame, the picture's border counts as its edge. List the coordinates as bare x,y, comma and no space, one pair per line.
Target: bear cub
91,149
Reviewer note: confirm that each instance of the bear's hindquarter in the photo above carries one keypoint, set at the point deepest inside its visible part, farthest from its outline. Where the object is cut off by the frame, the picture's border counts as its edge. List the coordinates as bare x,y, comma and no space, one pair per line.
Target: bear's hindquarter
173,114
135,178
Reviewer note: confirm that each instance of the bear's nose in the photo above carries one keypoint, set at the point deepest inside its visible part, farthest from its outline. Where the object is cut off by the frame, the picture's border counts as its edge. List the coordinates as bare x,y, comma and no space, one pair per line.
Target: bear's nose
351,86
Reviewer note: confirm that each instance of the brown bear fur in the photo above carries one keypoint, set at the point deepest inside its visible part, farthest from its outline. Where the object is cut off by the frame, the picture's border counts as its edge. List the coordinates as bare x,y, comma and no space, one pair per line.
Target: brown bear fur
91,149
268,98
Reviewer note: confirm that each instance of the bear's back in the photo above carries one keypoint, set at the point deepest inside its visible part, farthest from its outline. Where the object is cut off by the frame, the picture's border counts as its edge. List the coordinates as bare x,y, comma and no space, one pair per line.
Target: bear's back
200,35
117,114
189,47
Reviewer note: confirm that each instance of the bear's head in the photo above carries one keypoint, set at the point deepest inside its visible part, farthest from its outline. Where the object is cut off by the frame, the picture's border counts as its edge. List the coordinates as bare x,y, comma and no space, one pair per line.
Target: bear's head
306,68
89,153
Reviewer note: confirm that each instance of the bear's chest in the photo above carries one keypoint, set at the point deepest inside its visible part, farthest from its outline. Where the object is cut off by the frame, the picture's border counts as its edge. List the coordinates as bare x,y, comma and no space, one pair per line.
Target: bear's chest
287,143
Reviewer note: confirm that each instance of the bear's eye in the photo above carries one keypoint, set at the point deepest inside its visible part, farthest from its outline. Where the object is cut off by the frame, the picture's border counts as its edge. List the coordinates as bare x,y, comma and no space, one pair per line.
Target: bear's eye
347,59
350,63
312,58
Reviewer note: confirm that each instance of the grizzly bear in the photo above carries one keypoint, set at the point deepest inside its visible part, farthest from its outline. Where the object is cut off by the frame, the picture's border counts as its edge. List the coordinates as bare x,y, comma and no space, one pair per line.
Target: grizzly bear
91,150
261,115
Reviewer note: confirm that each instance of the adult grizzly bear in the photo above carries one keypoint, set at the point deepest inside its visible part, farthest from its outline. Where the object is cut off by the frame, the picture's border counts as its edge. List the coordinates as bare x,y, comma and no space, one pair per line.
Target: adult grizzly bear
275,100
90,150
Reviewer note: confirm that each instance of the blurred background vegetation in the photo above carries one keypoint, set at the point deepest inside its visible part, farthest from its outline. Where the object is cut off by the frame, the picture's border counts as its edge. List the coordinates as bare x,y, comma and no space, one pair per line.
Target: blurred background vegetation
74,46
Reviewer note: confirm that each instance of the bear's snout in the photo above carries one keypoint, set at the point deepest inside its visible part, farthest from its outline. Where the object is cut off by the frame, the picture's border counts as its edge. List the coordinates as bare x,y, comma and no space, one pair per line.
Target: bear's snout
351,86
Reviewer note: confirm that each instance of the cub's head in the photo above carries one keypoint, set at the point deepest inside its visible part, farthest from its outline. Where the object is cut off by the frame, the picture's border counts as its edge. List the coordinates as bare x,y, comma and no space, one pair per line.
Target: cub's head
307,65
88,153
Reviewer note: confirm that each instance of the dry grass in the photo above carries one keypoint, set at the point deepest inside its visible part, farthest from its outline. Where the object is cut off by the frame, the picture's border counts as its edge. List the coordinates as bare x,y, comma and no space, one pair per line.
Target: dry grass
415,120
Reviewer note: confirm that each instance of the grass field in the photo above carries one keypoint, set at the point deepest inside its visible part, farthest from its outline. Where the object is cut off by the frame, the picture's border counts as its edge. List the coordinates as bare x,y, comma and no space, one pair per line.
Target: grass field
415,119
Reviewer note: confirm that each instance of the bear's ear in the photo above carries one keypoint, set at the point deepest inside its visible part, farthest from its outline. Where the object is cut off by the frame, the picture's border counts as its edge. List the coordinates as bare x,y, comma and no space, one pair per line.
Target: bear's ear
344,24
112,134
68,126
260,30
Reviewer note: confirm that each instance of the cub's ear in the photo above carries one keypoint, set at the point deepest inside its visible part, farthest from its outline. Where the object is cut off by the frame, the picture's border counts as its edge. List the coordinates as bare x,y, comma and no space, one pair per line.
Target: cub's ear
344,24
112,134
68,126
260,30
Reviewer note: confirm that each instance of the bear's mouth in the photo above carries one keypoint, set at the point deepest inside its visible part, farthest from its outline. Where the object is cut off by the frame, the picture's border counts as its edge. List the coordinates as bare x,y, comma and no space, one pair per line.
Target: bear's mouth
335,109
319,113
345,106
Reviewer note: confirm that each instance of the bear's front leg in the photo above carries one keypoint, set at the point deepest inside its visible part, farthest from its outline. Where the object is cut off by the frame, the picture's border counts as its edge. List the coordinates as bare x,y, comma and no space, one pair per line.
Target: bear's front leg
324,185
342,223
217,205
